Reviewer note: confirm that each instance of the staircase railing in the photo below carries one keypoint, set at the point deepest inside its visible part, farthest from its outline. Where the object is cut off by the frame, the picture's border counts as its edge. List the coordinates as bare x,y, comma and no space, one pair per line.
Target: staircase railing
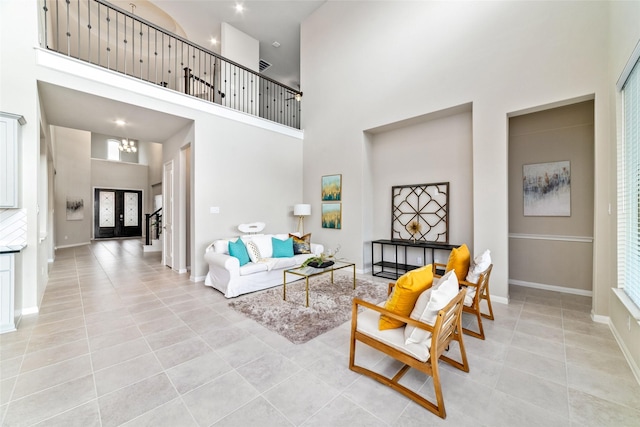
103,34
153,226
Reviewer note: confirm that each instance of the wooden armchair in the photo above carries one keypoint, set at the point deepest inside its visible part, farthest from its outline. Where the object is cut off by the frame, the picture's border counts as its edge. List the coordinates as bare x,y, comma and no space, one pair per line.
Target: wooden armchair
425,358
476,292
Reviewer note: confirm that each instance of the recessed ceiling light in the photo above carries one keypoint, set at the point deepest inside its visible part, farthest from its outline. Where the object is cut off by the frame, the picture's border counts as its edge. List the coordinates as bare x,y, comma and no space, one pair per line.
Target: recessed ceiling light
121,122
239,8
275,44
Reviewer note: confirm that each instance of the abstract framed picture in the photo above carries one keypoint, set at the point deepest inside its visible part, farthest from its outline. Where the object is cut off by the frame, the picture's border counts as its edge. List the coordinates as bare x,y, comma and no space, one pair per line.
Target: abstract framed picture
332,215
75,209
332,187
546,189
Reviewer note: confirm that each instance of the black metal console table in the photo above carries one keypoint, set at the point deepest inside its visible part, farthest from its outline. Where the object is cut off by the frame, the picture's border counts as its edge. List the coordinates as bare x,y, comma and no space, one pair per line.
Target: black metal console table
392,269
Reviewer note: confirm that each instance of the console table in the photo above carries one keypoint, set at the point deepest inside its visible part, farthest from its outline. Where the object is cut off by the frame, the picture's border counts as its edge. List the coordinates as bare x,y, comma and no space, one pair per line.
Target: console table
392,268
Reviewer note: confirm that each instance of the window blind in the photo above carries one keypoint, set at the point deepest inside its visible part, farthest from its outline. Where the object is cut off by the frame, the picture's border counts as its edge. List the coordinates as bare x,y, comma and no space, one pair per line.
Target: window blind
629,174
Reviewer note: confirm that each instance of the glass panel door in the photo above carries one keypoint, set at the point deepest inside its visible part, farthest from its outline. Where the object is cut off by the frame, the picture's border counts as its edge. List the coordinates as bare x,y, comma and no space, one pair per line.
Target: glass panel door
118,213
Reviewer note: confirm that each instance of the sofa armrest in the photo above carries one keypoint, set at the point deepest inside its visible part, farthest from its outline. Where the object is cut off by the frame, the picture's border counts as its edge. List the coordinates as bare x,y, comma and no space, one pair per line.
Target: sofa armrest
222,267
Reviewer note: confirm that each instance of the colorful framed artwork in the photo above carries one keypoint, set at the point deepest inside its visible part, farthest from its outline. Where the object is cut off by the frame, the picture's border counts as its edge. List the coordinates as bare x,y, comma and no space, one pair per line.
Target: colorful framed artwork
332,188
546,189
332,215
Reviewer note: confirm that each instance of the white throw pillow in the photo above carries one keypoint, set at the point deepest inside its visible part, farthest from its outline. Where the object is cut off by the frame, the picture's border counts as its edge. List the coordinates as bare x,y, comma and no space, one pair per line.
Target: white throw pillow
264,245
478,265
254,251
429,303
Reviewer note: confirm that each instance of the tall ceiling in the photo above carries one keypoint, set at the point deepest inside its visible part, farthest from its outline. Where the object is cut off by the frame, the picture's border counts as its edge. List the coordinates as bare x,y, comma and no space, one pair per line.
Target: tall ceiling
198,21
267,21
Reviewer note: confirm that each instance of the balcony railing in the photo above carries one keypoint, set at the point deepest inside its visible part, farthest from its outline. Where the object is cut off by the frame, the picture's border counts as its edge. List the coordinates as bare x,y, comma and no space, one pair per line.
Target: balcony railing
103,34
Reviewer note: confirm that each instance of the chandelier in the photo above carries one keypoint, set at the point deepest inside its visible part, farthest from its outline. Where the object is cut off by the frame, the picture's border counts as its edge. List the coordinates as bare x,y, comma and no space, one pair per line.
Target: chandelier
128,145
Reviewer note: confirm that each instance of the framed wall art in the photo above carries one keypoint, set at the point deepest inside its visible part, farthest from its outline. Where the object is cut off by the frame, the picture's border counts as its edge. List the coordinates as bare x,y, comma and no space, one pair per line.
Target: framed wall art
75,208
420,213
332,215
546,189
332,188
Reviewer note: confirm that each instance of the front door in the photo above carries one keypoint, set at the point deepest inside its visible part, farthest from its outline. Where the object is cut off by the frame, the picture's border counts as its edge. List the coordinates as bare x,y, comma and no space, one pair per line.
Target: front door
118,213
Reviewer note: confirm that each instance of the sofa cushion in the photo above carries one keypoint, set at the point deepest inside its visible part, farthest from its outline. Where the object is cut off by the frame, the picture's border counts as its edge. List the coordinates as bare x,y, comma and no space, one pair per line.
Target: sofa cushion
281,263
264,244
282,248
301,245
429,303
221,246
238,250
406,291
253,267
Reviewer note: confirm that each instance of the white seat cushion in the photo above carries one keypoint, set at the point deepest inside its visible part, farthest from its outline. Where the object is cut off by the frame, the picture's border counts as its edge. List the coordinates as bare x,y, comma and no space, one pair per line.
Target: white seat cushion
252,267
368,322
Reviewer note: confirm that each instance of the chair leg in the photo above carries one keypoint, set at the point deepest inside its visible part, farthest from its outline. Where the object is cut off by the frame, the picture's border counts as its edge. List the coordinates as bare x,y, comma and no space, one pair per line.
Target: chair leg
475,334
487,297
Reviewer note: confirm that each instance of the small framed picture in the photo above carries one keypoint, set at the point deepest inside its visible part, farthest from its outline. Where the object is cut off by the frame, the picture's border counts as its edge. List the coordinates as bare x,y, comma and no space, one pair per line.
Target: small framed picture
332,188
332,215
547,189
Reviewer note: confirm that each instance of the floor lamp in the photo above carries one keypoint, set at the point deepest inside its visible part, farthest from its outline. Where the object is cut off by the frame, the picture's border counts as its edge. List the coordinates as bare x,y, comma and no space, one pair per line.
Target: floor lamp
301,211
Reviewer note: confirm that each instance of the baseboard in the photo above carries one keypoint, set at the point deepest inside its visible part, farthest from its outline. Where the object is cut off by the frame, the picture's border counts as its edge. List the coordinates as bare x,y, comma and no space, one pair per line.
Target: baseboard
554,288
30,310
197,278
72,246
598,318
625,350
501,300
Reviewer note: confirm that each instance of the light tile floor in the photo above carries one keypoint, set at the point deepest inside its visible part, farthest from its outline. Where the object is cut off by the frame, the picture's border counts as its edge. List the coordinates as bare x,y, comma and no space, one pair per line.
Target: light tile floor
121,339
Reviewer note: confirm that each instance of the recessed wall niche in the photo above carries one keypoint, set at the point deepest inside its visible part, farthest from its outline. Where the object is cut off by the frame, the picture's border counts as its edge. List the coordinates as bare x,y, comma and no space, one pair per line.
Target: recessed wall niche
435,147
562,244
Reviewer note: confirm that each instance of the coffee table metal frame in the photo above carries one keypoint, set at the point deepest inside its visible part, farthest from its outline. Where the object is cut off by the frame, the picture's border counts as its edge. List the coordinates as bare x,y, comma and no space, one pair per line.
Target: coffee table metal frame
307,272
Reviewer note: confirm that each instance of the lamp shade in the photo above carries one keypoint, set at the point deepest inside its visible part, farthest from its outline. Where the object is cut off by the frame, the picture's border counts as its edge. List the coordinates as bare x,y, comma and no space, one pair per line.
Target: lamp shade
301,210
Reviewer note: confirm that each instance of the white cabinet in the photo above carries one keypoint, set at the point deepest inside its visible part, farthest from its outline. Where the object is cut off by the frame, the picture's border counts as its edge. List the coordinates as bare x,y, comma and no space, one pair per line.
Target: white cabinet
7,296
9,149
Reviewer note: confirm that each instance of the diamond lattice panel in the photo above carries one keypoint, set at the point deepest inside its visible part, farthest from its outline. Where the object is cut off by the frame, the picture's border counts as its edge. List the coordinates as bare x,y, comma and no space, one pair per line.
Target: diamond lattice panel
107,216
131,209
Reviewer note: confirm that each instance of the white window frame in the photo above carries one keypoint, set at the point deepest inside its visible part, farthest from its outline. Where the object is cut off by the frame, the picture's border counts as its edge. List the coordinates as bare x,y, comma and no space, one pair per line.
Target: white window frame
111,143
629,182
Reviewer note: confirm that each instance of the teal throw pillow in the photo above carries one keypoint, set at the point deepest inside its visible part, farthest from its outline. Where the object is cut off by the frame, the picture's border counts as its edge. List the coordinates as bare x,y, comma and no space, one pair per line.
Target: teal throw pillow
239,250
282,248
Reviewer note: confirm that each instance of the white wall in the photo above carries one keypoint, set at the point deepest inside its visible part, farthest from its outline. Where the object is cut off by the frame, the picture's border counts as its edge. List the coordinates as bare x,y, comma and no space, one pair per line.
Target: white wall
73,179
429,151
500,56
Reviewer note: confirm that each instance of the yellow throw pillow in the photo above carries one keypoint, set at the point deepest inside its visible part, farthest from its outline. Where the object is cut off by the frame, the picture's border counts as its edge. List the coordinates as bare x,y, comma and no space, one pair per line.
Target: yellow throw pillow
405,293
459,259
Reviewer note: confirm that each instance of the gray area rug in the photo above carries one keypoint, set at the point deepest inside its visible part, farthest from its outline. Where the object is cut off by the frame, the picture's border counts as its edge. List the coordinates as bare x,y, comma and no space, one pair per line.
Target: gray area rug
329,305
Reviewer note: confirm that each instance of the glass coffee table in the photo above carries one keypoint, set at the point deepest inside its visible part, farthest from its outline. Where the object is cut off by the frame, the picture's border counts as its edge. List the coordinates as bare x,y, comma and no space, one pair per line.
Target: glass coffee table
307,272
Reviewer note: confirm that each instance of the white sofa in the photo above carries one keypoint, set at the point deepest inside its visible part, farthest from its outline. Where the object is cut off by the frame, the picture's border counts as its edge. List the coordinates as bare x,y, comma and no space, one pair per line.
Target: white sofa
226,275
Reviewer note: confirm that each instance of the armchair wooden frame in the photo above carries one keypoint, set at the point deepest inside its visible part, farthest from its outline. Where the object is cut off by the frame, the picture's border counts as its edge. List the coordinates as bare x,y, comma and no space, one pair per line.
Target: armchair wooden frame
447,328
481,293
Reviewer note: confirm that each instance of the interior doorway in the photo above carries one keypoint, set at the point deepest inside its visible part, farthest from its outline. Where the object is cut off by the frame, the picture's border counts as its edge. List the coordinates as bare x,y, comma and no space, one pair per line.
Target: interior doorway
117,213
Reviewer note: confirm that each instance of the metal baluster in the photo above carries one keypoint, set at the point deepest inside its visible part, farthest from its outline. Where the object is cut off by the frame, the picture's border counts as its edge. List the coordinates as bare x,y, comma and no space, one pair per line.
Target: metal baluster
124,54
89,30
141,60
46,33
78,4
108,40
